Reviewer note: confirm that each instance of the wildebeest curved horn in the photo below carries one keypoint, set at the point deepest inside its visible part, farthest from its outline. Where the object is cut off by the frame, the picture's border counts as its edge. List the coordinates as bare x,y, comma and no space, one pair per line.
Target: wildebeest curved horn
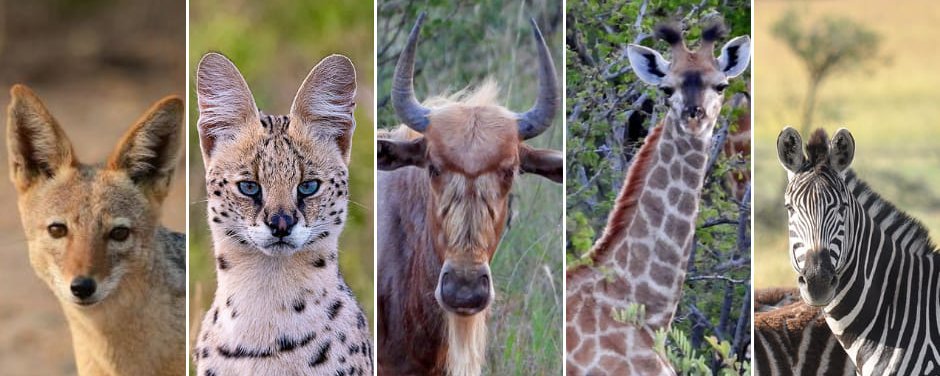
409,111
535,121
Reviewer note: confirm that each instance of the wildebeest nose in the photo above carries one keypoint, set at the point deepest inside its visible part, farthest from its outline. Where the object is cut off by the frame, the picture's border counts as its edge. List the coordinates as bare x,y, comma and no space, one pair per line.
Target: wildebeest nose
465,290
281,224
83,287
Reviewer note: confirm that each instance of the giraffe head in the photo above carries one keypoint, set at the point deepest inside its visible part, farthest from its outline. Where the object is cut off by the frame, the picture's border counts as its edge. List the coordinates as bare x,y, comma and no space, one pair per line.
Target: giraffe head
693,81
817,202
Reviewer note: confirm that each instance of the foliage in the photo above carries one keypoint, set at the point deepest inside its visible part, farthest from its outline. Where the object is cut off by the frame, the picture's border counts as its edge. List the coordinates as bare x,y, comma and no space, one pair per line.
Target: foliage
831,45
609,112
461,45
275,44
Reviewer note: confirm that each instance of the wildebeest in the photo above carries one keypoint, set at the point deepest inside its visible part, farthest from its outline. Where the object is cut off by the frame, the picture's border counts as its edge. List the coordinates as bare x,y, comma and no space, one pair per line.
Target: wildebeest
443,189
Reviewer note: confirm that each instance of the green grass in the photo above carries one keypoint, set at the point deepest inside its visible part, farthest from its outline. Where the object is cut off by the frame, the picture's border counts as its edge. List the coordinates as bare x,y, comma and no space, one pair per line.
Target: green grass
890,108
275,44
461,47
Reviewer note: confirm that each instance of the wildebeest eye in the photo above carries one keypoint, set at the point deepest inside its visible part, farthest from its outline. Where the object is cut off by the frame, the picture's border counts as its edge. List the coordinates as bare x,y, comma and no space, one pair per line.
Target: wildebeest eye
249,188
667,90
308,187
433,171
119,233
57,230
721,87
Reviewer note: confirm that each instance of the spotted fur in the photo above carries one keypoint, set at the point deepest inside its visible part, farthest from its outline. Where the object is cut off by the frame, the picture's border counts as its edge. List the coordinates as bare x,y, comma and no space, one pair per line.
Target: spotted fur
281,306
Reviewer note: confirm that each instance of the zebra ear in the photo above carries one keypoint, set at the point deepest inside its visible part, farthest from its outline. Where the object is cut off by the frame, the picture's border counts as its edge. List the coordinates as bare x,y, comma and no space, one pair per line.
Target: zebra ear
841,150
790,150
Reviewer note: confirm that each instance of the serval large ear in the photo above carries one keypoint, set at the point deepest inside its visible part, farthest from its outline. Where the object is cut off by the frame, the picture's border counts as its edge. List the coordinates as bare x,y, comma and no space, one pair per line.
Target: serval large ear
150,149
324,104
790,150
225,103
841,150
38,148
649,65
735,56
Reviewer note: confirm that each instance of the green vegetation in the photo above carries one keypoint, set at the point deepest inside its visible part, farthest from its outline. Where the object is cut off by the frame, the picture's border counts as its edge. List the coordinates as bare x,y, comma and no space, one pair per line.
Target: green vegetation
609,111
275,44
890,106
461,45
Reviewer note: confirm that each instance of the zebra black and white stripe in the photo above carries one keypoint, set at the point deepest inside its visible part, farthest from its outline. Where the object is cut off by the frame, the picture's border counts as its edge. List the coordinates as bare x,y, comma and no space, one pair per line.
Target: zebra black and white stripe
792,338
884,303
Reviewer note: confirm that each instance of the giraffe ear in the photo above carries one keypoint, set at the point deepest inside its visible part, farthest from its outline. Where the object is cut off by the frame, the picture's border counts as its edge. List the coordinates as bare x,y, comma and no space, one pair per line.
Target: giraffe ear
649,65
790,150
841,150
735,56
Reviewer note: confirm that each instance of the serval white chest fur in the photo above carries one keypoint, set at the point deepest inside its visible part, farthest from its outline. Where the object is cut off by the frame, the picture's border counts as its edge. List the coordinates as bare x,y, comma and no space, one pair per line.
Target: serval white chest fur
277,188
95,238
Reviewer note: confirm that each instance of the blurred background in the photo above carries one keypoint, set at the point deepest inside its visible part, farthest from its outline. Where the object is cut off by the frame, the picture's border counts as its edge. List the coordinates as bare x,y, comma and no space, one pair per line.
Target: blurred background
610,111
462,44
98,65
866,65
275,44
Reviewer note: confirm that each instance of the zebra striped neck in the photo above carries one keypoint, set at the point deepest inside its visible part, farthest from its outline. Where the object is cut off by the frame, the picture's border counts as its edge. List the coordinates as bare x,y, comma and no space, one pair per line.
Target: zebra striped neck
886,309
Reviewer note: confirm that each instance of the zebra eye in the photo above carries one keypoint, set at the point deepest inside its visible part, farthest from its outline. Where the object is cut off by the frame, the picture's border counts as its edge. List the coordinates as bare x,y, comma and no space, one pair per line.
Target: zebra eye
249,188
308,187
789,208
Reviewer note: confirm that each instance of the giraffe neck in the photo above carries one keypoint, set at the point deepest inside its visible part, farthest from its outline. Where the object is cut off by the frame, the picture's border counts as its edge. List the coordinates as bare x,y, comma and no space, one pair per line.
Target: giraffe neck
648,242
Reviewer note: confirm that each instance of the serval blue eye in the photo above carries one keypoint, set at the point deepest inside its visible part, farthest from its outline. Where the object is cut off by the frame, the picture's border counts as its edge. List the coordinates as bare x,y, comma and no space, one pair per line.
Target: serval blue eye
249,188
308,187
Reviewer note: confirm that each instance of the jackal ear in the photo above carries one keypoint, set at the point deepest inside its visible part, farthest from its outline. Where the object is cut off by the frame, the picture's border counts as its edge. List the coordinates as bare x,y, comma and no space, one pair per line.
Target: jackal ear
735,56
841,150
649,65
394,154
225,103
325,101
149,150
545,162
790,150
38,148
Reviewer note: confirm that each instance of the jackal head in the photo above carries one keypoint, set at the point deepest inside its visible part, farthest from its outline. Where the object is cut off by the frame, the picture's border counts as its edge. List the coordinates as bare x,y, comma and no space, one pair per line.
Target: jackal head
87,226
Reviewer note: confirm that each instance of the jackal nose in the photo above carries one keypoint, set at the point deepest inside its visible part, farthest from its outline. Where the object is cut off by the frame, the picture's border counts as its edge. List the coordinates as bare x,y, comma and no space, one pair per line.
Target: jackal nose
694,112
83,287
281,224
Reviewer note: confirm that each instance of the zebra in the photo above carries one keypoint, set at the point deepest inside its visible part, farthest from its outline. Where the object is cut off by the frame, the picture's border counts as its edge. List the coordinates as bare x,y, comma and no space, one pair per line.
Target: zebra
872,268
792,338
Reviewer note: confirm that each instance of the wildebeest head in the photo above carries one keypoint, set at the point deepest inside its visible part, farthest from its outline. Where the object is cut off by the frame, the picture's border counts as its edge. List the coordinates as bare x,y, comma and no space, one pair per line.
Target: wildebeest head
472,150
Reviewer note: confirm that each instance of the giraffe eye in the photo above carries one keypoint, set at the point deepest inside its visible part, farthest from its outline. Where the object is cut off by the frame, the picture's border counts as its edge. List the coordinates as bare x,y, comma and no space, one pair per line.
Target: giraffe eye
667,90
721,87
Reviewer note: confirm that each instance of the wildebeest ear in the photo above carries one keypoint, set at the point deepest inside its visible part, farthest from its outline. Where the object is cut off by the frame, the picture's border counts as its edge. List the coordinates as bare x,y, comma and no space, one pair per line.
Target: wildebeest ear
735,56
649,65
545,162
841,150
790,150
225,103
394,154
37,145
325,101
149,151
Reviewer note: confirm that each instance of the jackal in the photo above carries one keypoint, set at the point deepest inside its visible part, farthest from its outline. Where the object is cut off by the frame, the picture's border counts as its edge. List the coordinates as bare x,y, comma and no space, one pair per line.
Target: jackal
95,237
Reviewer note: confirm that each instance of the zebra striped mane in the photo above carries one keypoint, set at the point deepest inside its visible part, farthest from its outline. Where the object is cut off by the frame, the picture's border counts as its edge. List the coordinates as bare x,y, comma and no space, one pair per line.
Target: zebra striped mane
888,215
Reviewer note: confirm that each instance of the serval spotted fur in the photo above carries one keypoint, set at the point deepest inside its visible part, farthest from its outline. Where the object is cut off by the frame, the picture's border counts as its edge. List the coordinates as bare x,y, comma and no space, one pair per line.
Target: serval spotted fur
277,199
95,238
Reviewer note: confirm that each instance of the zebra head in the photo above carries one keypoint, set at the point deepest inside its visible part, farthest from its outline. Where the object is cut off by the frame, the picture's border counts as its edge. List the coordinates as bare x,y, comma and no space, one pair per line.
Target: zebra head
818,207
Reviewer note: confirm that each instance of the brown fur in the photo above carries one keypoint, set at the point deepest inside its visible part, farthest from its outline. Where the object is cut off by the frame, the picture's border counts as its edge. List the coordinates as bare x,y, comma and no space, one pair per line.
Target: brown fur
133,323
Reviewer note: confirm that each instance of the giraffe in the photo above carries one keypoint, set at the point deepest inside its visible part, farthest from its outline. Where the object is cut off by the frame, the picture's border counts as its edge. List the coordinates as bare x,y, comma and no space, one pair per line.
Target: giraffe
641,257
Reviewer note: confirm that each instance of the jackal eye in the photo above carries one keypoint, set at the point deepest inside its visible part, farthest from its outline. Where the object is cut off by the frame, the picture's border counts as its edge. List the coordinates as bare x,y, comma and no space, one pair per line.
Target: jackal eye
57,230
119,233
249,188
308,187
